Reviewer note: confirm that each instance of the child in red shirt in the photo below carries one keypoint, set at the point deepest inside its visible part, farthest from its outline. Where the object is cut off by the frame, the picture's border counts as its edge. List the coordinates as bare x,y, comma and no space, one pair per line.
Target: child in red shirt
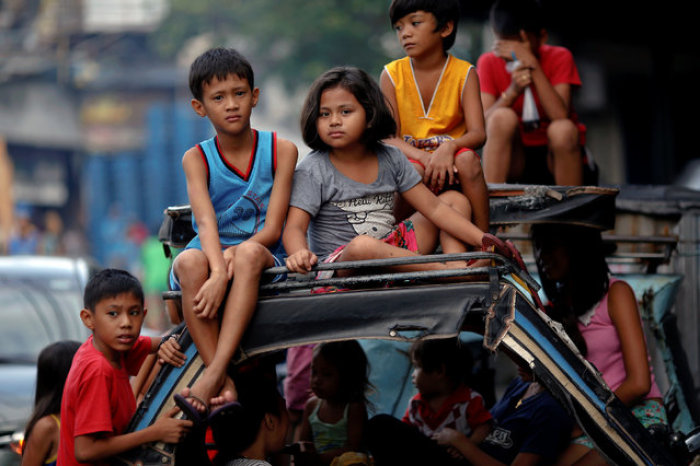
98,401
552,150
443,401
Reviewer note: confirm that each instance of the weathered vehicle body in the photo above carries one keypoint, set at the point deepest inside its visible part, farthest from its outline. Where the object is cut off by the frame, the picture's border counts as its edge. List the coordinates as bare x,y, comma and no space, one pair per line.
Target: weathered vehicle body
496,302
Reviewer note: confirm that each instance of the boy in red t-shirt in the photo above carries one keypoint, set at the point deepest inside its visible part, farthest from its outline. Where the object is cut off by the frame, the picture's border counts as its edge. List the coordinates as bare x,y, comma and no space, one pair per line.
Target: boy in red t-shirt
98,401
513,150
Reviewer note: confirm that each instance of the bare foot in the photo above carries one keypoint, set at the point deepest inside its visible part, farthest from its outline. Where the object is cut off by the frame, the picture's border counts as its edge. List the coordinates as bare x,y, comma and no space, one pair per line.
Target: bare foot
229,387
225,397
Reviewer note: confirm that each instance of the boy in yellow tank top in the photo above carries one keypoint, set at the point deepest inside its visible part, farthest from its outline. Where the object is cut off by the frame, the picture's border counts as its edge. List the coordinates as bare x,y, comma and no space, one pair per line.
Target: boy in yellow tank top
436,102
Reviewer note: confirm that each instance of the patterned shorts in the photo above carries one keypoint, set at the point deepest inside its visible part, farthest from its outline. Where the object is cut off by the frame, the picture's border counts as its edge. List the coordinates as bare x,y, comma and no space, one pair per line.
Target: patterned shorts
648,412
402,236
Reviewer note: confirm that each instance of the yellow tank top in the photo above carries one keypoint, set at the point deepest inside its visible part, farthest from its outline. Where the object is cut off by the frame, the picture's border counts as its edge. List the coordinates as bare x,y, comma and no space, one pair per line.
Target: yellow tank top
443,119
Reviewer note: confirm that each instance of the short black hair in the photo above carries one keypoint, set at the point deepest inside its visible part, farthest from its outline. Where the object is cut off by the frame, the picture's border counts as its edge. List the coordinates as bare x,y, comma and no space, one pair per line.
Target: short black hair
380,122
218,63
433,354
443,10
108,283
509,17
235,426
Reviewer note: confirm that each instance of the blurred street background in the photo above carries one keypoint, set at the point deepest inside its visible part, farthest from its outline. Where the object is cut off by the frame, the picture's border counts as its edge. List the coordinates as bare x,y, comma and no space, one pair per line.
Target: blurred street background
95,110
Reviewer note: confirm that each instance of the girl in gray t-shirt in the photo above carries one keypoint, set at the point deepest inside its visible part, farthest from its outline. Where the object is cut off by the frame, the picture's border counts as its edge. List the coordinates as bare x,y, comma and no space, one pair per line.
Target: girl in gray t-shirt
343,193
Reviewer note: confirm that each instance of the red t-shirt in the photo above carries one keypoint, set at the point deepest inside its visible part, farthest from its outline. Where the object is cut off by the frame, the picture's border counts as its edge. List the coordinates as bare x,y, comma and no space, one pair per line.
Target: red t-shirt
463,410
97,397
558,65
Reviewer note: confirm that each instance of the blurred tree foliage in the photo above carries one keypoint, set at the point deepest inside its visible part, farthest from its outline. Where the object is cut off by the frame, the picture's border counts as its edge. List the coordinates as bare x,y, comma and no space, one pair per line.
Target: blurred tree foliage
294,39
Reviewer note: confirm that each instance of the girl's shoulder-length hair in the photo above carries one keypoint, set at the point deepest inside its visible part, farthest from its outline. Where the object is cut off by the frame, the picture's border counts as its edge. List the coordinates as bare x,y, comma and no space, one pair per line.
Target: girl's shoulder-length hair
380,121
353,367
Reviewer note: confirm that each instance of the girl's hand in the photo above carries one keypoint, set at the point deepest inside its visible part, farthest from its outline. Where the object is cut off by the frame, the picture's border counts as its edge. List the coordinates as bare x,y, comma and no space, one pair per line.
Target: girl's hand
229,254
440,169
169,353
301,261
448,437
210,296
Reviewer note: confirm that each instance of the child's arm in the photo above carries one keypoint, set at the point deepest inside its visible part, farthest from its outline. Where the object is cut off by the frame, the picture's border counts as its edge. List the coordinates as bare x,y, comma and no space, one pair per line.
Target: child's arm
409,151
480,432
440,166
442,215
304,432
92,448
41,441
471,451
210,295
622,307
555,100
300,259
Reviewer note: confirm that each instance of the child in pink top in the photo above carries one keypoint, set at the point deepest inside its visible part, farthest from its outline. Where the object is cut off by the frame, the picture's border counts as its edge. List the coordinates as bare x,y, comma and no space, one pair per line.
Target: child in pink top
604,346
600,315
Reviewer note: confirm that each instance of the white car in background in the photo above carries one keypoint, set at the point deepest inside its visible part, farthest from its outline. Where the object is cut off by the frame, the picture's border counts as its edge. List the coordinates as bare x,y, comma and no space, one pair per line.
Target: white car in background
40,298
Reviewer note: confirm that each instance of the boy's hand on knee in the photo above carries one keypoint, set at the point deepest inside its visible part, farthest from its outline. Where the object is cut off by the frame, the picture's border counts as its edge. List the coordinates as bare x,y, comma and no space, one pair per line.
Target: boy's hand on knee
439,172
301,261
229,255
210,296
170,430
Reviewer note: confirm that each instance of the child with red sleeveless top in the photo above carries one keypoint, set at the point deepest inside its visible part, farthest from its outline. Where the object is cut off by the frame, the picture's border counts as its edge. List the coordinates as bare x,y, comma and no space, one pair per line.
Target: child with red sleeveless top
600,315
436,104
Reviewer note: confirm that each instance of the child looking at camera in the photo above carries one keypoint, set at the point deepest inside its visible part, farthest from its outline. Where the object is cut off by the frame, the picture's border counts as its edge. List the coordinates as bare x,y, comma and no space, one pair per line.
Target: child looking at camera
343,192
98,400
238,184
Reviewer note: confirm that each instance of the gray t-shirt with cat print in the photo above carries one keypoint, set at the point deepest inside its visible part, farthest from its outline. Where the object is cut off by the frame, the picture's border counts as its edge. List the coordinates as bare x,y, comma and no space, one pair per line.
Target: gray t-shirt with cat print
341,208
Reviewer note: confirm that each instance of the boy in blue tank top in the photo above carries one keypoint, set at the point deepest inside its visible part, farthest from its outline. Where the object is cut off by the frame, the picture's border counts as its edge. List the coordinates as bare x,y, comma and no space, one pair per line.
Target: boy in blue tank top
238,183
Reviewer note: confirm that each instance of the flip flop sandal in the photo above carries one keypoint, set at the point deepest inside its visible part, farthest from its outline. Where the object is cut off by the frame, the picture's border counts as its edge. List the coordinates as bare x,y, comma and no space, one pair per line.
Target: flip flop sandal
198,418
192,449
227,409
491,243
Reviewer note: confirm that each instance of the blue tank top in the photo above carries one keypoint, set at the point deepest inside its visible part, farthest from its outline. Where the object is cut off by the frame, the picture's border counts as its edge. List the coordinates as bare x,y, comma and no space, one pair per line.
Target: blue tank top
240,200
